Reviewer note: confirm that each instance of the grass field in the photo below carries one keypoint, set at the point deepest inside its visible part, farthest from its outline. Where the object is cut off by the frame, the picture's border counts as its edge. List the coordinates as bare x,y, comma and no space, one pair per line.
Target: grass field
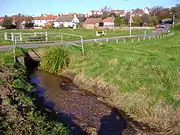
141,78
86,33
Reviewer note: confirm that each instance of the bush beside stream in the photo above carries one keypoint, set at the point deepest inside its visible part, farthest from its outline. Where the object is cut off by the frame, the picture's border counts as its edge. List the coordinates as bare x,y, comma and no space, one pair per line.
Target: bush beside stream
19,114
54,59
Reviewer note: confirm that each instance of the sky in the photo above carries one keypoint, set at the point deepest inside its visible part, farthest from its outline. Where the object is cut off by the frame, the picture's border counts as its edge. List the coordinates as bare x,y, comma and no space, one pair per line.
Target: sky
38,7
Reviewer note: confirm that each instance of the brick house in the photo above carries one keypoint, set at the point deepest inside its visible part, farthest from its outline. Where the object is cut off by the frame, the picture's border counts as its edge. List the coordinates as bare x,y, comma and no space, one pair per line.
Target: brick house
91,23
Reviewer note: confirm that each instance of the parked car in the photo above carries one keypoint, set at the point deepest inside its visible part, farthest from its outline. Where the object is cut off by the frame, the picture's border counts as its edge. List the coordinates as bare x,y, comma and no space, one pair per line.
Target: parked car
158,26
162,26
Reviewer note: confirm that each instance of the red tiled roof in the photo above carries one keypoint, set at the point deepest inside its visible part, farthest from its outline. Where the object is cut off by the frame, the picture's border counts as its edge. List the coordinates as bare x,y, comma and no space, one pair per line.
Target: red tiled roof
108,19
46,17
92,20
118,11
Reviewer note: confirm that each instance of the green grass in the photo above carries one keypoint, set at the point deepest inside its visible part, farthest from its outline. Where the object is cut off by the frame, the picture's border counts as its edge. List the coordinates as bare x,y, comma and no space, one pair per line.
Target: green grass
54,59
146,74
86,33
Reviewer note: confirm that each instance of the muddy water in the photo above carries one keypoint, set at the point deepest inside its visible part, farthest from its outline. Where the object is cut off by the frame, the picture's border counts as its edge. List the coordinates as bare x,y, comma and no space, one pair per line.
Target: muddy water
77,108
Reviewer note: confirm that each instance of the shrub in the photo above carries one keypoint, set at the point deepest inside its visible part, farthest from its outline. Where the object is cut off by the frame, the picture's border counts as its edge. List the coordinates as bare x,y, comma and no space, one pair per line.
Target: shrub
54,59
177,27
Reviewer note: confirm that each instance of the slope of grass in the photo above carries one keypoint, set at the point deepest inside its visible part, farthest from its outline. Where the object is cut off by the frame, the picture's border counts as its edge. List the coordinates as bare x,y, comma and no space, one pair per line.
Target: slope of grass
145,76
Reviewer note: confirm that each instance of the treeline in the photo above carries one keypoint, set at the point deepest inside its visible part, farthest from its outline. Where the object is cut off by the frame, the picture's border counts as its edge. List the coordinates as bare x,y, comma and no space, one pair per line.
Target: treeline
17,21
156,15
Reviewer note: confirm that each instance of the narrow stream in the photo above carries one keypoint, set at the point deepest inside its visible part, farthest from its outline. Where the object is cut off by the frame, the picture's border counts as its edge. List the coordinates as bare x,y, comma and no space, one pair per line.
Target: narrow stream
83,113
61,95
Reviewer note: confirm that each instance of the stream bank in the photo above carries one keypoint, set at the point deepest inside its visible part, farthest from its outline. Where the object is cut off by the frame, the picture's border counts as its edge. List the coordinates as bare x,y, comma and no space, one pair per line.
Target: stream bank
79,107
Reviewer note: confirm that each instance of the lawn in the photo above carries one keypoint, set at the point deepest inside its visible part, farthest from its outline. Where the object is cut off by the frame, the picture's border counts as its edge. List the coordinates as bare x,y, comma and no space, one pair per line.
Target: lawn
86,33
141,78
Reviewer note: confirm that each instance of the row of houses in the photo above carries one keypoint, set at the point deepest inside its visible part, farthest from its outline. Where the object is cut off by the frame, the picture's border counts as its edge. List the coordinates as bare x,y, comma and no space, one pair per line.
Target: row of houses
72,21
121,13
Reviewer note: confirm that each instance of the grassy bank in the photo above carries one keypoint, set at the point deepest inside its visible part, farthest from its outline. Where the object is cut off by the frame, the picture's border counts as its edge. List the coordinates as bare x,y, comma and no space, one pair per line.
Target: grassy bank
142,78
18,113
86,33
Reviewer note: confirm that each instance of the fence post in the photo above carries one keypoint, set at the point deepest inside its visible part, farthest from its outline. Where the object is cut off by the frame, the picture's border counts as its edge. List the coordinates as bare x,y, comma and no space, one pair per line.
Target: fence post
82,45
139,39
5,35
46,36
14,47
107,40
124,41
20,36
117,41
12,36
61,39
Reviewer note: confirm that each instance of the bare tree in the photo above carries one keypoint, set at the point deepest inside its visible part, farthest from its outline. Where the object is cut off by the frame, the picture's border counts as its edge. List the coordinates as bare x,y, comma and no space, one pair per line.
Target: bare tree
106,9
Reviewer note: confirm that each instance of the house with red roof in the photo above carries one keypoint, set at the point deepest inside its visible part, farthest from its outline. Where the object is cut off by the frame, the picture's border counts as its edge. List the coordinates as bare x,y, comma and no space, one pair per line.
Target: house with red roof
41,21
120,13
108,22
91,23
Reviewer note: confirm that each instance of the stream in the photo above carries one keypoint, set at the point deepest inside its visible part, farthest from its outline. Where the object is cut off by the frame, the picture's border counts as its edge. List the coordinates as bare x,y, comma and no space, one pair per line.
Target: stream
82,112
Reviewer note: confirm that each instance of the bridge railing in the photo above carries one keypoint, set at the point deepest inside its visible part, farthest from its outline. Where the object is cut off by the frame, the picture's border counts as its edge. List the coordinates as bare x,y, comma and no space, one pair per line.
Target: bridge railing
44,38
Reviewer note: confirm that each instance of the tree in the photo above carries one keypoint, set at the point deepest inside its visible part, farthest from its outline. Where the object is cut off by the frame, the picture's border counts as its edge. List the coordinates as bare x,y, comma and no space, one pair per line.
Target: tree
119,21
29,25
7,22
126,18
160,13
137,21
106,9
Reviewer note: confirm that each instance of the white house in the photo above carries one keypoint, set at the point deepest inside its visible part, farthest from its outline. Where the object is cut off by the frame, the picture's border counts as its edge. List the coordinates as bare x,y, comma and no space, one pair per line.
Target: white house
108,22
95,13
42,20
66,21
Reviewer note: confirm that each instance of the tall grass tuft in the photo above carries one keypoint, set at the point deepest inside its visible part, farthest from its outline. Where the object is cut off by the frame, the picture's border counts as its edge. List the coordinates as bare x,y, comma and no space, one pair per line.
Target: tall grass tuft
54,59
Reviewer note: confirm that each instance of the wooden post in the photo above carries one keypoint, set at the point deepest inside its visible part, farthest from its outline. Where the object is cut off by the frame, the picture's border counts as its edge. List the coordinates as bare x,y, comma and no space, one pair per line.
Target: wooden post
139,39
124,41
20,36
14,48
61,39
117,41
107,40
12,36
82,45
5,36
46,36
